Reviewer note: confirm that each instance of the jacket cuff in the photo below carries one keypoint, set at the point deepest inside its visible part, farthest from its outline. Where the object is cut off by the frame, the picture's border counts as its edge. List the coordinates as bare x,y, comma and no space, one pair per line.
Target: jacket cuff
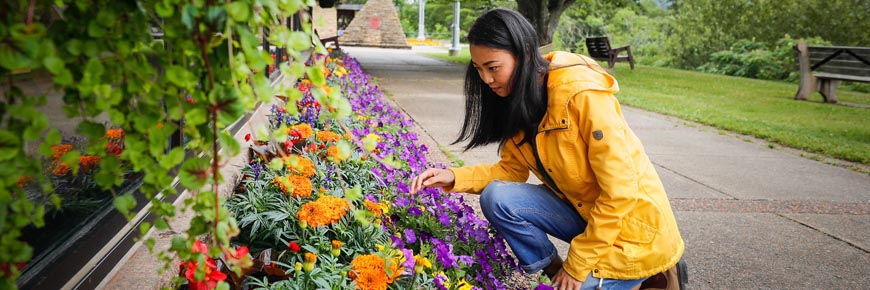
577,270
457,181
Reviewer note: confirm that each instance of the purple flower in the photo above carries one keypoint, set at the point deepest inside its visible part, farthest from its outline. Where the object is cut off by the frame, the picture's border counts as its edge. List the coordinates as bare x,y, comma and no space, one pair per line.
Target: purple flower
542,286
415,211
444,219
410,236
401,202
409,260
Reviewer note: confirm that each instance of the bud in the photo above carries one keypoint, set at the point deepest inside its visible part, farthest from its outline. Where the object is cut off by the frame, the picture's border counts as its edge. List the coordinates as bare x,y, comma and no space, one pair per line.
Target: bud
310,259
298,268
336,248
303,224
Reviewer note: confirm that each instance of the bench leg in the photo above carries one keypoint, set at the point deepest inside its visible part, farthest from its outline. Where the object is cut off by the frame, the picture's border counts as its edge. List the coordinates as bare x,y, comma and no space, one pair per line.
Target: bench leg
828,89
808,85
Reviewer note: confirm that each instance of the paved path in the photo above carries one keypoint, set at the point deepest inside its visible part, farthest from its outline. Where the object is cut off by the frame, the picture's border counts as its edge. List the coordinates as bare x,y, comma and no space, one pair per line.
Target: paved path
752,217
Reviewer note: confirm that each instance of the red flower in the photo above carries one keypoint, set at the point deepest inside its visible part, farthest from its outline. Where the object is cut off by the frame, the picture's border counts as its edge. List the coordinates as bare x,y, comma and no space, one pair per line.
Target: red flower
293,247
212,274
114,148
240,253
248,137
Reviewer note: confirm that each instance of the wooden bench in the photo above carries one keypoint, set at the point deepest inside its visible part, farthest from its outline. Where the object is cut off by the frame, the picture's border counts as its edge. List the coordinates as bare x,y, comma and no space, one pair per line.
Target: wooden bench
324,41
824,67
599,49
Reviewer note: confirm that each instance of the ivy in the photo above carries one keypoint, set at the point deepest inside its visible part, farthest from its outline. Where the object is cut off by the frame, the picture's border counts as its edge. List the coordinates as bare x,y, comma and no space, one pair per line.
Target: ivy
200,76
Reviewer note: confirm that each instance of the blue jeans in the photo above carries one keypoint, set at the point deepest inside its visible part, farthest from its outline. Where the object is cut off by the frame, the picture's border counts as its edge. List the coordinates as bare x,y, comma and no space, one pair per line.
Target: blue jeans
524,214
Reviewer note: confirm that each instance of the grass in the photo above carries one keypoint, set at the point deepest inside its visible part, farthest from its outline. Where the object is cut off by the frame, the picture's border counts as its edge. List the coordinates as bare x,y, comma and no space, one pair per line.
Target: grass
763,109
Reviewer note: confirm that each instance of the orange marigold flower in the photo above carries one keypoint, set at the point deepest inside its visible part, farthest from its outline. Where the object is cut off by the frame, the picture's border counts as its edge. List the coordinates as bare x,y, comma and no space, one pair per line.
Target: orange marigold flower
61,169
281,182
373,207
370,272
328,136
312,214
89,161
332,154
60,150
301,186
23,181
326,210
304,129
114,133
299,165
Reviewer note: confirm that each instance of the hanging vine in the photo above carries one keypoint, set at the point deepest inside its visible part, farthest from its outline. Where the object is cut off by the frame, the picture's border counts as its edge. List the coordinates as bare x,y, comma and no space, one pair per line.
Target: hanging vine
204,73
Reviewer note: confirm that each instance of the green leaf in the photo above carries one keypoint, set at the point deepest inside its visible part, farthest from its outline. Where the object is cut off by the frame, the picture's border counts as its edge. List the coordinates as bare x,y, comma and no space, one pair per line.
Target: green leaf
344,149
179,76
228,142
239,11
354,193
179,245
124,203
175,156
54,64
160,224
164,9
195,117
91,129
315,74
222,285
144,227
10,145
188,14
110,172
276,164
194,173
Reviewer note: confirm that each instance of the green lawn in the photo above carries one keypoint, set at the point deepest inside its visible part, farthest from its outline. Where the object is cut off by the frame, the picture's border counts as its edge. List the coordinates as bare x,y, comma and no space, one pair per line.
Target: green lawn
764,109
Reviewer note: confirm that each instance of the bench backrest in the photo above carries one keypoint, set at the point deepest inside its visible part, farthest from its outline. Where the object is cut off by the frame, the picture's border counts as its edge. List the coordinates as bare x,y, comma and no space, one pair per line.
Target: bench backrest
598,47
842,60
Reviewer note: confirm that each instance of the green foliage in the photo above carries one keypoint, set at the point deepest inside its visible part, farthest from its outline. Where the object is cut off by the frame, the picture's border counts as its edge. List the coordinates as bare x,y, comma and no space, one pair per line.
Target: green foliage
103,56
704,27
753,59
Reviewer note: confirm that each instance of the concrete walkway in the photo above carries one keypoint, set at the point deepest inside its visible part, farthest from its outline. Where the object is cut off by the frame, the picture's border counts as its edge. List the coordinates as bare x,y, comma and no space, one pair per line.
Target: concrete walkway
752,217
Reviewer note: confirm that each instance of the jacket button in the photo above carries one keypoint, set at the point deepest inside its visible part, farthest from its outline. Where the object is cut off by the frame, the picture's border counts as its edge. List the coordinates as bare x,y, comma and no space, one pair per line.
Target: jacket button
579,204
563,121
550,169
596,270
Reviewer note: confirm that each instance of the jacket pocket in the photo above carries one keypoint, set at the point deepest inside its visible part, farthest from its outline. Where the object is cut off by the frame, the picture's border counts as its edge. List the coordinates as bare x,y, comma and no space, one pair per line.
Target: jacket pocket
635,231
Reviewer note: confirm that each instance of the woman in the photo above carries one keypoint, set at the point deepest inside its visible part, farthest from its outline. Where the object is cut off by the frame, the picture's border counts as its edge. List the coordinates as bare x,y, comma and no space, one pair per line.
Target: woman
557,117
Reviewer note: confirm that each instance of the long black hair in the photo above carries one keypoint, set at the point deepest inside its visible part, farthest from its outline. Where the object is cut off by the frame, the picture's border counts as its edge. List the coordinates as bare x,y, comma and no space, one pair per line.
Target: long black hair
490,118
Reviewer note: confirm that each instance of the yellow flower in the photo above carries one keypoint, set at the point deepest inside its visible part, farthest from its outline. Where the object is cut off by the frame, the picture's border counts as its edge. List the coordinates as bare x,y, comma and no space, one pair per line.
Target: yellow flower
464,285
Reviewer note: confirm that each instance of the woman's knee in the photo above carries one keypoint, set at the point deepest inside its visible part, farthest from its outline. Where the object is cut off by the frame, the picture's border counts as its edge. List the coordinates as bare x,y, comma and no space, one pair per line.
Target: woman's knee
493,197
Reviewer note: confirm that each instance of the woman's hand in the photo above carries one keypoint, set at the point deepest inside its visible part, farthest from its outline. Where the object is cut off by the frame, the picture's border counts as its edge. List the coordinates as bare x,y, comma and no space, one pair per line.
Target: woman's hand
432,177
563,281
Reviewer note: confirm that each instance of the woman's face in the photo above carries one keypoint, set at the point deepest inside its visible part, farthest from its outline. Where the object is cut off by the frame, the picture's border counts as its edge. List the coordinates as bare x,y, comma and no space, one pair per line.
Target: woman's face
495,67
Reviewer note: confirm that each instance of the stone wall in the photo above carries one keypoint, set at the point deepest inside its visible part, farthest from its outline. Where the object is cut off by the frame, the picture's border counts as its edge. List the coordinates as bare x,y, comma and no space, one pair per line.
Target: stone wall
376,24
325,21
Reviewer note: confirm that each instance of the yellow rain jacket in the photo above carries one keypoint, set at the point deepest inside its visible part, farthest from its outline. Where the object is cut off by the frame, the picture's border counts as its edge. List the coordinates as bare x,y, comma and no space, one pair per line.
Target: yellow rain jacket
600,167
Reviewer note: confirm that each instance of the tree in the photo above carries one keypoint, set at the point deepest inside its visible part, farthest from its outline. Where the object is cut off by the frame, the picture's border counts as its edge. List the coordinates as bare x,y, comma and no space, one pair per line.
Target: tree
544,16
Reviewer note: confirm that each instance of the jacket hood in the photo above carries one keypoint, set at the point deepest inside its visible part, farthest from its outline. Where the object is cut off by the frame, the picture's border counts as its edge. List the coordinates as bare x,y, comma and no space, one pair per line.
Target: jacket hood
571,74
567,68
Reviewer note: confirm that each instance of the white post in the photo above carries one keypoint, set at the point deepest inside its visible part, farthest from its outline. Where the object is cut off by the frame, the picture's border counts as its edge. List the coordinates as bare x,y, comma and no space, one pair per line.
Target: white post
454,50
421,30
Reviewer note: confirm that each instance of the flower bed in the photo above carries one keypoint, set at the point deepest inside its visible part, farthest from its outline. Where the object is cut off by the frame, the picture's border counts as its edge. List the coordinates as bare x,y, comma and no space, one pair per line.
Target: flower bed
326,204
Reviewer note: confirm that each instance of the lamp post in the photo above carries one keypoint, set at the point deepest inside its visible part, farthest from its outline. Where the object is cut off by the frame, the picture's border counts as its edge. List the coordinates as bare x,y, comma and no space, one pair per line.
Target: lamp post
454,49
421,31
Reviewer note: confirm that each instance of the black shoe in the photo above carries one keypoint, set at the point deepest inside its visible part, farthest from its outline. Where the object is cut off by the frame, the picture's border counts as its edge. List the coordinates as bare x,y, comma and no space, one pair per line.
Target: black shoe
683,273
